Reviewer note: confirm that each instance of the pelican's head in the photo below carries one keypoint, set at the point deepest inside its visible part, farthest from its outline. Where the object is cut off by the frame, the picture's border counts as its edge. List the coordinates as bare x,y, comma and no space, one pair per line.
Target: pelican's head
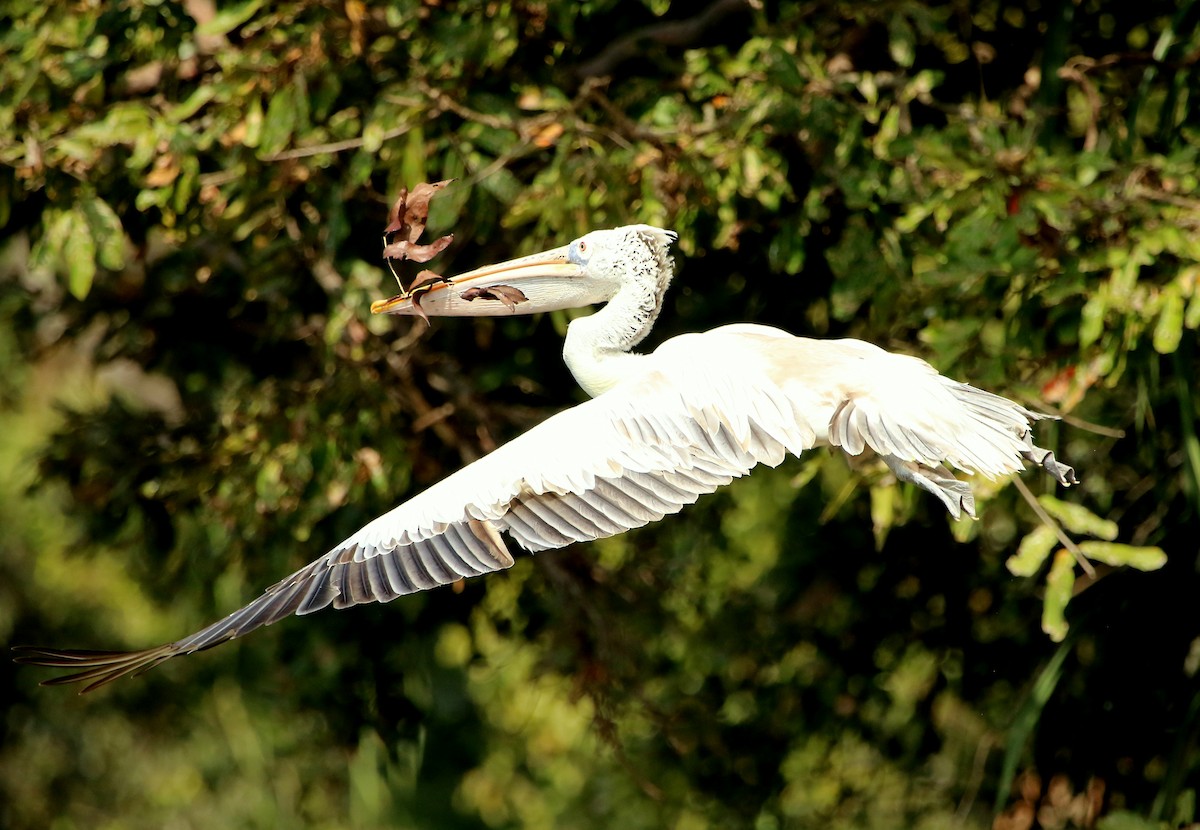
590,270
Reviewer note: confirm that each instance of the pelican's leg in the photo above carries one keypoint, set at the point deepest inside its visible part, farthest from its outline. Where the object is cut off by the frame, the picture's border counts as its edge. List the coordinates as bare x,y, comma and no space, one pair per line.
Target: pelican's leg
955,494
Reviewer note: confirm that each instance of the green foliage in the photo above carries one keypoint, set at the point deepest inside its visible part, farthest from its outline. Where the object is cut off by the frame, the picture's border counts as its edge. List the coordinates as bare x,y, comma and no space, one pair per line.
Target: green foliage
196,401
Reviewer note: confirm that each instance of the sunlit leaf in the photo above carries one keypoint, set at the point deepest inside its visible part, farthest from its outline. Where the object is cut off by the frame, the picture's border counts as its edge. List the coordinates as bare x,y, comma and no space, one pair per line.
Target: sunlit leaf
1091,322
200,97
1110,553
254,122
372,137
1032,552
1126,820
1060,582
883,512
413,164
1078,519
229,18
1168,331
280,120
80,255
105,228
125,123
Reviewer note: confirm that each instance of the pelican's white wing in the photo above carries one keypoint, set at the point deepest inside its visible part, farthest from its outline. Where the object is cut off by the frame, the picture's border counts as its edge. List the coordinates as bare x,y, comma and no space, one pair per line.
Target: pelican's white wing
629,457
856,395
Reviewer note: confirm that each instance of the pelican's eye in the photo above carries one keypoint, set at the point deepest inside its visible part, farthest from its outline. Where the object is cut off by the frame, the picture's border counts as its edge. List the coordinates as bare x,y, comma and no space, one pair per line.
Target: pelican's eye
580,251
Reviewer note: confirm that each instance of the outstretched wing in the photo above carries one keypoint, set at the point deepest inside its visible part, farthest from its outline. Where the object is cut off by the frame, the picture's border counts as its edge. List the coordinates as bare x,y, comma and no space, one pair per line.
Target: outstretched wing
855,396
629,457
919,421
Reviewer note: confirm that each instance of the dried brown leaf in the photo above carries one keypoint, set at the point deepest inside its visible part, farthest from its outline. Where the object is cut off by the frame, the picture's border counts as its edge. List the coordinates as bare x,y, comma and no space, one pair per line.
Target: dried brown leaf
410,211
424,281
416,208
394,224
506,294
406,223
403,249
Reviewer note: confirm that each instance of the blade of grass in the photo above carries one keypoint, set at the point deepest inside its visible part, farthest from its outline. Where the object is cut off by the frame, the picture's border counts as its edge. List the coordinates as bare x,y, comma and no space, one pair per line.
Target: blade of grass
1187,416
1168,45
1027,717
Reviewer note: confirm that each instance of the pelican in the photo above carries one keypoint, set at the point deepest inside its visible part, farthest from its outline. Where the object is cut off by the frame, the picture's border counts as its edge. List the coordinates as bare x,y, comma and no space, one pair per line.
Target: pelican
660,430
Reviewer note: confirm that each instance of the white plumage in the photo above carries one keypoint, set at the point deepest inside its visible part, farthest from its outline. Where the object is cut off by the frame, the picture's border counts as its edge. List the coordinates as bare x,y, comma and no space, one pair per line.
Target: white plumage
661,430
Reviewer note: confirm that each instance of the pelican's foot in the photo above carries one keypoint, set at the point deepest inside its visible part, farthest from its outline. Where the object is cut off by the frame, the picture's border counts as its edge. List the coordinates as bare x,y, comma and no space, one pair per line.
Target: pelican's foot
955,494
1062,473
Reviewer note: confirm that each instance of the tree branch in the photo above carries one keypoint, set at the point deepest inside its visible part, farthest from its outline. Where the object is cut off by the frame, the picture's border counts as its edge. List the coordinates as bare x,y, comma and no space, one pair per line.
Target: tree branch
672,33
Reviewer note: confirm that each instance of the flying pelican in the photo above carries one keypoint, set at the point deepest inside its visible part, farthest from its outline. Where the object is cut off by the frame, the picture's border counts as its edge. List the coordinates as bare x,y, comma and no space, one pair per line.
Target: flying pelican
661,429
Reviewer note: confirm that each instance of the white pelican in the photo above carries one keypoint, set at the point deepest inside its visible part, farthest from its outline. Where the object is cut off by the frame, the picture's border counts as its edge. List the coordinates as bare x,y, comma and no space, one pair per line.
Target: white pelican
660,430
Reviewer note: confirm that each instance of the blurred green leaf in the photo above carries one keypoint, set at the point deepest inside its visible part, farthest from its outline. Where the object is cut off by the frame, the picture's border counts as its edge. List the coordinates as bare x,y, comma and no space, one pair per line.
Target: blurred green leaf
1091,323
1125,820
1110,553
229,18
1078,519
1059,584
80,255
1168,331
413,166
192,104
104,226
280,121
883,512
128,122
1032,552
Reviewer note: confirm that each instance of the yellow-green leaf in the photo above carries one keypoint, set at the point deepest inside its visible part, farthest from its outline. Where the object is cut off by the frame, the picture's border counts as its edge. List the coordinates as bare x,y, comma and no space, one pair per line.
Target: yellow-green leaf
883,512
372,137
1032,551
254,122
1126,820
1091,319
1059,584
280,121
412,164
80,256
125,123
56,233
1135,556
1078,519
192,104
107,232
229,18
186,184
1189,286
1168,331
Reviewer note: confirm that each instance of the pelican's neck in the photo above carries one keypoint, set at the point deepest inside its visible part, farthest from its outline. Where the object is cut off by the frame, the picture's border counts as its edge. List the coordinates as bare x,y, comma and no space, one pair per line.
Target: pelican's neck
597,349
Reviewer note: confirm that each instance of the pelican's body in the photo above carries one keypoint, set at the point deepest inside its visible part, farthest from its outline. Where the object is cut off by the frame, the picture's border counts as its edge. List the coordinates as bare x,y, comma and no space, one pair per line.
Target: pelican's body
661,430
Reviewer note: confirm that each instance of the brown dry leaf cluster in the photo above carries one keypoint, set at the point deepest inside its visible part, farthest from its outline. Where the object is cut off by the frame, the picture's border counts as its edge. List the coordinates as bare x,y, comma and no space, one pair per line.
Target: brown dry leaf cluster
406,223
